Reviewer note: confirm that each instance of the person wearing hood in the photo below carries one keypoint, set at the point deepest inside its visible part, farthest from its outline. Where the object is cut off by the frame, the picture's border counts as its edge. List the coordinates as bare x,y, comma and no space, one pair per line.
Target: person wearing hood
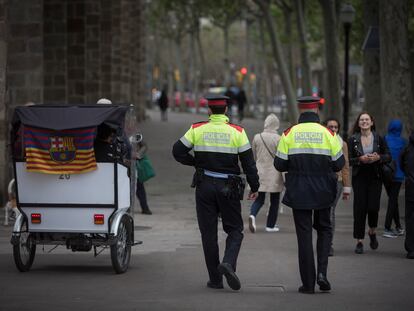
396,144
407,166
271,180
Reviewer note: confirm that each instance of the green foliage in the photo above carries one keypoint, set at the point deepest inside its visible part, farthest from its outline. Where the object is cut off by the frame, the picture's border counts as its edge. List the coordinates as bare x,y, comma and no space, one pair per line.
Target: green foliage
224,12
175,18
358,34
411,25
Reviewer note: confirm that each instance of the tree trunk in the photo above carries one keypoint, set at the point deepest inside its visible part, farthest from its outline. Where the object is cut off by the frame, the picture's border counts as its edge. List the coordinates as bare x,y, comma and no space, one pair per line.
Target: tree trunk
179,74
201,54
262,76
306,71
192,81
170,77
226,60
333,91
395,65
372,71
248,84
4,124
280,60
287,12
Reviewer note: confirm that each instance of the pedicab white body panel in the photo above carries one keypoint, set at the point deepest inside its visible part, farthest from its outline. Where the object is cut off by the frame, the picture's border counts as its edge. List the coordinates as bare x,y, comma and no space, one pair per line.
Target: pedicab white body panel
68,203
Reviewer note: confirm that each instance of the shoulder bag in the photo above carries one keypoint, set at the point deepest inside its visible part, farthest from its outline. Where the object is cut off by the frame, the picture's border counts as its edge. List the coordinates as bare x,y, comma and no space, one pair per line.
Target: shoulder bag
267,148
145,170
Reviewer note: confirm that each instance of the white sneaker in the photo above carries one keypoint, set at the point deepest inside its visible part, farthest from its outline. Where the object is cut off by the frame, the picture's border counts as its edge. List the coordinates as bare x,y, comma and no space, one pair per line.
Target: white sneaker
274,229
252,224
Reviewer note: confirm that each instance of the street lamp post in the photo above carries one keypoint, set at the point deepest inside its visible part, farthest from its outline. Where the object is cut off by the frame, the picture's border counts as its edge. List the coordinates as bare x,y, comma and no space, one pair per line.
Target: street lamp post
346,17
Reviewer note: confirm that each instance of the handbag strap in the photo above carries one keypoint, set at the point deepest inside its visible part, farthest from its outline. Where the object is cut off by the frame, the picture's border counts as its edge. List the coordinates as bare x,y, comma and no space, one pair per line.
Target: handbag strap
267,148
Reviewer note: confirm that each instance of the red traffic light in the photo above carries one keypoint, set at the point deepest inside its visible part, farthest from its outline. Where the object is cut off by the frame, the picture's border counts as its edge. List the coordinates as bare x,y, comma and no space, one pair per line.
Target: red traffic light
243,70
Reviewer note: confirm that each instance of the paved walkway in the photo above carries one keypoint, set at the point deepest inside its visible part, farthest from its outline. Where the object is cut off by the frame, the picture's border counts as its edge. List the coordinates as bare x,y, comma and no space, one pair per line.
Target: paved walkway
168,272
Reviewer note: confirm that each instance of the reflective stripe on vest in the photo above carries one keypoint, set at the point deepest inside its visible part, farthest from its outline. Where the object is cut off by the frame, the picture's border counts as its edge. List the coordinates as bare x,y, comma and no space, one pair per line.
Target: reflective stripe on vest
217,135
309,138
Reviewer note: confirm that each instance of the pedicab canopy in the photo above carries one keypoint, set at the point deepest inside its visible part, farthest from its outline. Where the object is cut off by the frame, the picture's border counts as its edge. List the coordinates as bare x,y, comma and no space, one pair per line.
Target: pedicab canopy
59,139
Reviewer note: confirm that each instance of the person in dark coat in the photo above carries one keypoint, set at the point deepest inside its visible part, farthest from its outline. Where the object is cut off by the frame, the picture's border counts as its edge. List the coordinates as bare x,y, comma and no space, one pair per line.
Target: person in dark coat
232,99
163,104
396,144
105,149
367,152
219,147
241,102
407,165
310,154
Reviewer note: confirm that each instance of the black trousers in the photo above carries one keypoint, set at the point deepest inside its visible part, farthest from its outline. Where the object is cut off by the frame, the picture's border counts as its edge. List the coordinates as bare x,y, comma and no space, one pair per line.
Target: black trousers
409,223
393,213
142,196
210,202
367,194
303,224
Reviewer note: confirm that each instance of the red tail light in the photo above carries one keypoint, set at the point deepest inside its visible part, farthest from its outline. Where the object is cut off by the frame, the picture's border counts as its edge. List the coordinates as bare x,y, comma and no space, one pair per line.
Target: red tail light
36,218
99,219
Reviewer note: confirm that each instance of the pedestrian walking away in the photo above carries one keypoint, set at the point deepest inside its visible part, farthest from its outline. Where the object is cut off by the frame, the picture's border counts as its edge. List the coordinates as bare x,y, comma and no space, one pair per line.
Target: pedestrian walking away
141,151
231,100
407,165
163,104
396,144
310,154
218,146
344,180
241,99
271,180
367,152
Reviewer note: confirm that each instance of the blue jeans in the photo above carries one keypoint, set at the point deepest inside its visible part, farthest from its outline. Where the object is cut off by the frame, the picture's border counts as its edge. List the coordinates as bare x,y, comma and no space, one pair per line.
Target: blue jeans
273,209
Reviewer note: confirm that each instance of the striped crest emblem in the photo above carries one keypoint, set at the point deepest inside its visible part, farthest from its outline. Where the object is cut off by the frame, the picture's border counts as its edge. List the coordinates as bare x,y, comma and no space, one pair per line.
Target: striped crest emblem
60,152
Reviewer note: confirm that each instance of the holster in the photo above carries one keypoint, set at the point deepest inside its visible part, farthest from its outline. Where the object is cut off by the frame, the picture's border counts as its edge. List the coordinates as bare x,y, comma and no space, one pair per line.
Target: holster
236,186
197,177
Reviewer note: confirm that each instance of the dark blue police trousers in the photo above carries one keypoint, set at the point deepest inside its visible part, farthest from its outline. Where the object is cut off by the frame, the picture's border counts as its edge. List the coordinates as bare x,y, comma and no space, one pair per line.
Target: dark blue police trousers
304,226
211,201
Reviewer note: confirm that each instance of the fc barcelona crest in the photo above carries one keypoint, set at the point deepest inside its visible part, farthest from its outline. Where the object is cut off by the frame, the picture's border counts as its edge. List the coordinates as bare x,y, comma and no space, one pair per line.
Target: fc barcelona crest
62,149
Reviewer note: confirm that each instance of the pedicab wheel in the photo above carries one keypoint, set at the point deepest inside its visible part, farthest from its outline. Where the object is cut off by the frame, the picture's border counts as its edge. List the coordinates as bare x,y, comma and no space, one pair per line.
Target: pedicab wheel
24,251
121,250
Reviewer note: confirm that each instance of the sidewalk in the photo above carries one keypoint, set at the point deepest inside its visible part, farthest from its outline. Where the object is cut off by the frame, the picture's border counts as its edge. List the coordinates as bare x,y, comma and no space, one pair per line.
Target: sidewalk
268,266
168,271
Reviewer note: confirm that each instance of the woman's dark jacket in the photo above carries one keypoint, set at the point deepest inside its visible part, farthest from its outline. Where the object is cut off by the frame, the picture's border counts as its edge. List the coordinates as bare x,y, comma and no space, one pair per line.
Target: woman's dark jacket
407,165
355,151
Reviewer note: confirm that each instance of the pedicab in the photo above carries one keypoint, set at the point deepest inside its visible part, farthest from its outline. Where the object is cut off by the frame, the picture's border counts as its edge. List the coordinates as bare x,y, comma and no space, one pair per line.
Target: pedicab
67,195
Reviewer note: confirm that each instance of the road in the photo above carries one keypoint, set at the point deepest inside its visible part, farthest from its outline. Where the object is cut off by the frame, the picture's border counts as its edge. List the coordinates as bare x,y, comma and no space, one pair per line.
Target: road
167,272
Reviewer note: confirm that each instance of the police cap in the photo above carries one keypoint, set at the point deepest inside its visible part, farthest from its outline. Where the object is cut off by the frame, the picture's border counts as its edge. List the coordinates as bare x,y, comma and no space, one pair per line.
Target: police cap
217,100
310,102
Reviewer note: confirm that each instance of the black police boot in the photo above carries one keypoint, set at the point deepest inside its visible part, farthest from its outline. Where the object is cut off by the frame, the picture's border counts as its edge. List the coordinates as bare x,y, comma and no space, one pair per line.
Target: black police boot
323,282
215,285
410,255
304,290
232,280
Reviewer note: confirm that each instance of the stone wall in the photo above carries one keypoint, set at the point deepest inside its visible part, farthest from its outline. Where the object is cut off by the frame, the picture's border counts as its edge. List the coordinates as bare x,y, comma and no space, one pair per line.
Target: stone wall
55,52
25,56
69,52
4,167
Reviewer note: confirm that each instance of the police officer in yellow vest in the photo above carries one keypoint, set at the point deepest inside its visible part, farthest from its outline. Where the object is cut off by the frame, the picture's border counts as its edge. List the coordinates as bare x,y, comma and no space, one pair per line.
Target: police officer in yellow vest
310,154
218,145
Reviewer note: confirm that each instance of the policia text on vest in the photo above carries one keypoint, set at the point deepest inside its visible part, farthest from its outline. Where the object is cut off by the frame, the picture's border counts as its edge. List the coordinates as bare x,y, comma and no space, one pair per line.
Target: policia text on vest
310,154
218,146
